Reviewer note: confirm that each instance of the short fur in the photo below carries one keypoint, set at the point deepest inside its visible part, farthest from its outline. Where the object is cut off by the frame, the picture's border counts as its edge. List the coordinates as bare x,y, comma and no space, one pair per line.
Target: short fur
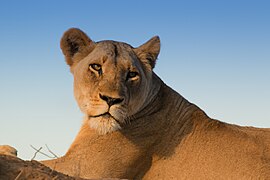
8,150
137,127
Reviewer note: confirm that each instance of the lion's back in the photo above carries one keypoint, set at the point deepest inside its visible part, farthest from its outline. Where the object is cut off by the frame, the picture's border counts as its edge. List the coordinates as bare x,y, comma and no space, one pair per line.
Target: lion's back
216,149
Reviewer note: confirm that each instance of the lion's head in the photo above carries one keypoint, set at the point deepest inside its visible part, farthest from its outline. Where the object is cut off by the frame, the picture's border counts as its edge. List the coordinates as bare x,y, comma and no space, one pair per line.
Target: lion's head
112,80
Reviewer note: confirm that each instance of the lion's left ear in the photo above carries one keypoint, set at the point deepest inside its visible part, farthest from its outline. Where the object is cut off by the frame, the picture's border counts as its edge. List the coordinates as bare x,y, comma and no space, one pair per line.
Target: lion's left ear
148,52
76,45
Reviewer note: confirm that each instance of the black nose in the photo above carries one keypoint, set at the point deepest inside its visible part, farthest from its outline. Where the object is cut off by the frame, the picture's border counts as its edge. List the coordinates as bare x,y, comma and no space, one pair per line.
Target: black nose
111,101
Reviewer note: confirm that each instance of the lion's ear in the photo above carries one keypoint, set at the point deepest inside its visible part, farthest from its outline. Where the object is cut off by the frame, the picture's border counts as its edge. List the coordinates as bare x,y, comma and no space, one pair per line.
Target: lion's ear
75,45
148,52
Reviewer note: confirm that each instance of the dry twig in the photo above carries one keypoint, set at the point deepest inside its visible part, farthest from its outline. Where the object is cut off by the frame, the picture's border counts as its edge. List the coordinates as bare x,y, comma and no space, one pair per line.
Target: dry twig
55,156
19,175
39,151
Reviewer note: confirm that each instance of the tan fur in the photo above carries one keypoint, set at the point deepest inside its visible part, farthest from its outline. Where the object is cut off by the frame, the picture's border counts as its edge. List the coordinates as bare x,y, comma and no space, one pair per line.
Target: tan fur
150,132
8,150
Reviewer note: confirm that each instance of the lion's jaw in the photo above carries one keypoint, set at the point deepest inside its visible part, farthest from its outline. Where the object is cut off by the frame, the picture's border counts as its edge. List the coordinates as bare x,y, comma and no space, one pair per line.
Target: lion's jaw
110,98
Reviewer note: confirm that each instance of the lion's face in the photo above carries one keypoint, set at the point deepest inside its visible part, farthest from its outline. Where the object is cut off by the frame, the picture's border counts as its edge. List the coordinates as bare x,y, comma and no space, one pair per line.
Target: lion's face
112,80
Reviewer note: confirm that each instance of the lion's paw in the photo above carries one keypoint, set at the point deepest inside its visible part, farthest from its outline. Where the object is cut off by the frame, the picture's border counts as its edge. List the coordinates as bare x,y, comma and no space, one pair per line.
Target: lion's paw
8,150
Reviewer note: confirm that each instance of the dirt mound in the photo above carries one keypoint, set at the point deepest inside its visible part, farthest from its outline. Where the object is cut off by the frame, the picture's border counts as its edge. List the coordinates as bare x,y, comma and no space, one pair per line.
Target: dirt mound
14,168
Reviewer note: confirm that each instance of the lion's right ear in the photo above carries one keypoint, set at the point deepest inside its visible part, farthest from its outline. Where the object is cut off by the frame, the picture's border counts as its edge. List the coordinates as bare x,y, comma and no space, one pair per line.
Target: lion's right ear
75,45
148,52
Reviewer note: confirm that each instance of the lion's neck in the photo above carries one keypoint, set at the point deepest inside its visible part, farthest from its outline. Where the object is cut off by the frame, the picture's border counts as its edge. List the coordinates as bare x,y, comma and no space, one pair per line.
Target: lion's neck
168,116
152,104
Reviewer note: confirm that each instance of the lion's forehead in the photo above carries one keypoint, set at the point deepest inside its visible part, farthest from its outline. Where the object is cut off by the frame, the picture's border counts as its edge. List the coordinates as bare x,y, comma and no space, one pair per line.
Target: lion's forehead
115,49
113,56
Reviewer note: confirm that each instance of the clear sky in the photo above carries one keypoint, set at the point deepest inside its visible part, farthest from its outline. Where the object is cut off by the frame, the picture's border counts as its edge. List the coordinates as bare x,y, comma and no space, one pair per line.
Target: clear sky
215,53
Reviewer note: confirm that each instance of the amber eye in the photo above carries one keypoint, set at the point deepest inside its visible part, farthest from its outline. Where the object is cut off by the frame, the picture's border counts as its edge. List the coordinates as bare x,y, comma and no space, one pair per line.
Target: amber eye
132,75
96,67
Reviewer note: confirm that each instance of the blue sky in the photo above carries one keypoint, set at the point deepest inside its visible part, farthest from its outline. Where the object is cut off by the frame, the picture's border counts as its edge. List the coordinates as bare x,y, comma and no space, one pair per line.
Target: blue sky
214,53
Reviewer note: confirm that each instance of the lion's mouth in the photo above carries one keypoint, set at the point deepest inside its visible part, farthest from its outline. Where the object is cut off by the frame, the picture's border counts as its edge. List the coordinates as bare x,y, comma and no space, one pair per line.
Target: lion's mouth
105,115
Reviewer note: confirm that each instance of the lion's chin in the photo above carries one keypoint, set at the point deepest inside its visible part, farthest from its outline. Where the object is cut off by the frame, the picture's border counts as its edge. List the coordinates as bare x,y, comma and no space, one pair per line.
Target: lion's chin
104,124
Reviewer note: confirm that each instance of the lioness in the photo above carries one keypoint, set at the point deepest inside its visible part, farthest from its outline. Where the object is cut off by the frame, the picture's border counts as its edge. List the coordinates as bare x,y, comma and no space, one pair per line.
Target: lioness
137,127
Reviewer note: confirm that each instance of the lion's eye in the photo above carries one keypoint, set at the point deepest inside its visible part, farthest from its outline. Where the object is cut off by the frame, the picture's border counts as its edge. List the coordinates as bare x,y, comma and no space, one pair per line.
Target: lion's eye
96,67
132,75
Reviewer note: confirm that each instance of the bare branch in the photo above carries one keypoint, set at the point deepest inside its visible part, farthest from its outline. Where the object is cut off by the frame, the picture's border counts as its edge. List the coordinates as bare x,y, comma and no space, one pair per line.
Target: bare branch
55,156
39,151
19,175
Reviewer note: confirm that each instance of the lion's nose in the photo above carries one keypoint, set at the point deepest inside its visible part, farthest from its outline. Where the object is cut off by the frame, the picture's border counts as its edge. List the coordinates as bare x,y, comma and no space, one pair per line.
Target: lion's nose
111,101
